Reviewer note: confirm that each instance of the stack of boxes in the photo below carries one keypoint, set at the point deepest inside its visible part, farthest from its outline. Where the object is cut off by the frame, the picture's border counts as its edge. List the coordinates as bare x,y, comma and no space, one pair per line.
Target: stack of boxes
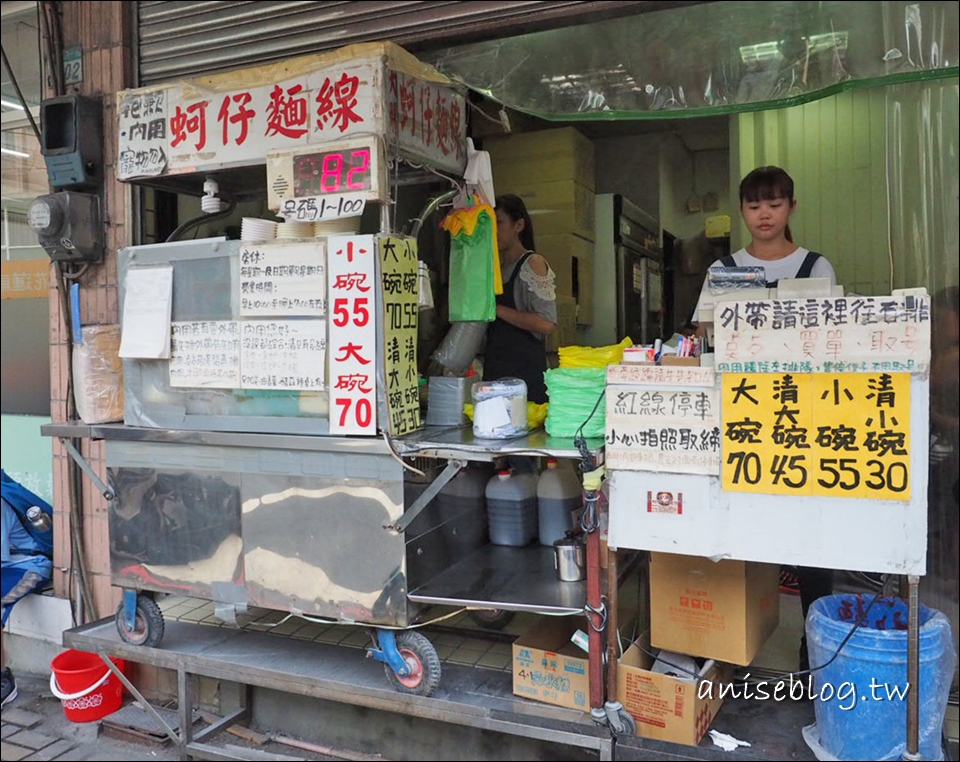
720,612
554,172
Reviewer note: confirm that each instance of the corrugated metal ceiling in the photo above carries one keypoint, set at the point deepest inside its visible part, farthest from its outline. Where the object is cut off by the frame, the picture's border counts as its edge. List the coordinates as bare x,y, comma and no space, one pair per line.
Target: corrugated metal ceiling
179,39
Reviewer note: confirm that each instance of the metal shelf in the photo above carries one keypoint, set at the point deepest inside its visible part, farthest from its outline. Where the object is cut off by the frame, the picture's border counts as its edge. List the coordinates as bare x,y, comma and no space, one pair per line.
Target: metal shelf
510,579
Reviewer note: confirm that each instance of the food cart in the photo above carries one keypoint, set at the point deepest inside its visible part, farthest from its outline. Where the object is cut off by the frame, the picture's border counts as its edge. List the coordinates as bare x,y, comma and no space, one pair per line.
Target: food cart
806,433
272,452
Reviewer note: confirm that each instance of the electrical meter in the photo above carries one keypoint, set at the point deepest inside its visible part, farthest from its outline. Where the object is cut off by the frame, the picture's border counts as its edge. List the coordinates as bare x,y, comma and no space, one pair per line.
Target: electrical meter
69,226
326,182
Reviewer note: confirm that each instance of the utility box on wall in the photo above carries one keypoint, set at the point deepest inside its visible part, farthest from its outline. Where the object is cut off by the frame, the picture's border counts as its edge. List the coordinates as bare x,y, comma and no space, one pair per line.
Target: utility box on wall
71,141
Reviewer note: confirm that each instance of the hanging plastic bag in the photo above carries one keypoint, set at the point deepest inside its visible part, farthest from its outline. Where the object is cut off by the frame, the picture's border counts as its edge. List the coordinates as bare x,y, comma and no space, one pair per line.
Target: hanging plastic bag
473,264
593,357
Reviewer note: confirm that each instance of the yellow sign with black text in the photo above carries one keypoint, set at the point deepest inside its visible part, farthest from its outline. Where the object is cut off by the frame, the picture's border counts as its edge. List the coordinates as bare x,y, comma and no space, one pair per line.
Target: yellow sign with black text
824,434
398,261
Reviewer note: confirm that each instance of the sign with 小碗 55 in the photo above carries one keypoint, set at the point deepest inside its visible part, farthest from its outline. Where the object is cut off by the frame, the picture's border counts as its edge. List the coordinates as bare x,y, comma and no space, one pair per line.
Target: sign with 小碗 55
824,434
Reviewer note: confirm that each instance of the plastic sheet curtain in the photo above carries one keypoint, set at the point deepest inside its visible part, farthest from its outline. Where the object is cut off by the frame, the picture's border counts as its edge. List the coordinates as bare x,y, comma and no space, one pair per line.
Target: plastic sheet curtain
923,145
710,58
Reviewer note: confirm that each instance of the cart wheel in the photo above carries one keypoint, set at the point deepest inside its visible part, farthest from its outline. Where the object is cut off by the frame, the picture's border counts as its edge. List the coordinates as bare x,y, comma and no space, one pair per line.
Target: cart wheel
629,724
492,619
148,626
420,655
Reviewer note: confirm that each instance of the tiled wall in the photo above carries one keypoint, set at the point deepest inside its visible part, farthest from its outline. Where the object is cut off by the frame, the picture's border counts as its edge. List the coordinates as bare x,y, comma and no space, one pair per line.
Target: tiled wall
105,33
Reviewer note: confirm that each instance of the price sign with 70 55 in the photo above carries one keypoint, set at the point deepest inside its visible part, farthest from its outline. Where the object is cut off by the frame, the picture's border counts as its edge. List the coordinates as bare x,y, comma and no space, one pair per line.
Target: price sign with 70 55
837,435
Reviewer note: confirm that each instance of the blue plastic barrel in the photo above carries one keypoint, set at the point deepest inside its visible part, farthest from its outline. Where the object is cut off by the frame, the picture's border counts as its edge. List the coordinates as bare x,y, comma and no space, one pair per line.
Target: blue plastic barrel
861,698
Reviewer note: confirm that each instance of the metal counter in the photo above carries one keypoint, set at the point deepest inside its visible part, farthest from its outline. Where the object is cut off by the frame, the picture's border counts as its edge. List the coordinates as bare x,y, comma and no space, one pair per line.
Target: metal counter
459,442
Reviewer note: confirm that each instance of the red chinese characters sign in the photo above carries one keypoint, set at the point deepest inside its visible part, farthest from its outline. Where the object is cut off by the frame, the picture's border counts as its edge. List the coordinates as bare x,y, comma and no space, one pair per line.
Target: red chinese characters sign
428,120
352,342
212,129
198,126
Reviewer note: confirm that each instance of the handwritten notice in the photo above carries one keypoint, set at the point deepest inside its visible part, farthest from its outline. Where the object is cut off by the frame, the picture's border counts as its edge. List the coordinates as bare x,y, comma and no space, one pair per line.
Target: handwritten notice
205,354
836,435
283,354
351,268
660,375
143,134
279,279
663,429
147,302
846,334
399,267
322,208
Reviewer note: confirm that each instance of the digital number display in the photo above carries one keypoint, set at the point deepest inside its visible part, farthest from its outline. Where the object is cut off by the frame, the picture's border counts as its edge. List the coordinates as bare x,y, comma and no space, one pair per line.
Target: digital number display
319,174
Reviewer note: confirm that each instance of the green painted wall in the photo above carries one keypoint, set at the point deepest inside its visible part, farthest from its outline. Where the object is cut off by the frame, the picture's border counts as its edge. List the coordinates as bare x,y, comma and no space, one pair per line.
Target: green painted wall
835,150
27,456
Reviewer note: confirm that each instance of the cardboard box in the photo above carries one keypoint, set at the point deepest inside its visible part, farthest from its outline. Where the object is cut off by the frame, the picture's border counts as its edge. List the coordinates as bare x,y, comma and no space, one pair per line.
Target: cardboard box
556,208
674,360
547,667
723,611
546,156
565,334
571,259
667,708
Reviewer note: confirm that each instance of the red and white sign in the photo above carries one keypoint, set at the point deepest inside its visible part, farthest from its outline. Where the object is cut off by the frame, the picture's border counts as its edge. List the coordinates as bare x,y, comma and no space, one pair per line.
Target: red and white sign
237,127
428,121
352,341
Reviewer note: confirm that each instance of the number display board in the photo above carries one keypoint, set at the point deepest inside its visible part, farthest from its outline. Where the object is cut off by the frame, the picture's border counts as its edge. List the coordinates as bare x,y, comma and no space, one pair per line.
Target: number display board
828,434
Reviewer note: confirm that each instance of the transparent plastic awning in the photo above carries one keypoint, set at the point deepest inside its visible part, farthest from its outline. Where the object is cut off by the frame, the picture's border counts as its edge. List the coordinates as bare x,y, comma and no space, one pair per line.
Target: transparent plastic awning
711,58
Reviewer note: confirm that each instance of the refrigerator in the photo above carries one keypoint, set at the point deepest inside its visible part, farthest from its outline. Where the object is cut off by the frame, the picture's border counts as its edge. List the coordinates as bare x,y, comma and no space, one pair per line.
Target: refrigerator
628,261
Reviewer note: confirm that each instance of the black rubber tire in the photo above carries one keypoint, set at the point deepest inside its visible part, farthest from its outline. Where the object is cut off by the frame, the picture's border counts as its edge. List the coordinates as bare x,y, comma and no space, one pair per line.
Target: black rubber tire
148,627
420,654
630,724
492,619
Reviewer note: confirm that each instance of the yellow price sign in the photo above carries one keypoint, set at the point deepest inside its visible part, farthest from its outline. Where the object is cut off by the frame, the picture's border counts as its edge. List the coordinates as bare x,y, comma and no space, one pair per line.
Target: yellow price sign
826,434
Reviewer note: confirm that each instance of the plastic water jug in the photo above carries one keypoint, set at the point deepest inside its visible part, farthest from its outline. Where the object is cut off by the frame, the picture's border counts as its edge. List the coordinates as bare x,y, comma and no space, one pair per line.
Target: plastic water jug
464,492
512,508
558,494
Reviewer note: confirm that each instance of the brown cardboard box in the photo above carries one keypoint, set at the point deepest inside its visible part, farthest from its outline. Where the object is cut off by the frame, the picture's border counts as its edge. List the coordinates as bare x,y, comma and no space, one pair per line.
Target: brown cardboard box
571,259
565,333
545,156
723,611
547,667
556,208
667,708
674,360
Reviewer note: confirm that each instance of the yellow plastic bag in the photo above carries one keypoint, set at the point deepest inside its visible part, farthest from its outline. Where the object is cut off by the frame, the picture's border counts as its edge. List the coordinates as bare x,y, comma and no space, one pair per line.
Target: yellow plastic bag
536,414
593,357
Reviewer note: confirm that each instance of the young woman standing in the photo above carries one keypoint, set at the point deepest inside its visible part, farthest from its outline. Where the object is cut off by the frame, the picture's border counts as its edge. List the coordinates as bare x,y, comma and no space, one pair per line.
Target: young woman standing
527,309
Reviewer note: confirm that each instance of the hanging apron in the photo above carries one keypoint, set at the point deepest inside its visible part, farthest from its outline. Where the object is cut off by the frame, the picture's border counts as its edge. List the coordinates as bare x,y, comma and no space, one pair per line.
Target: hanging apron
513,352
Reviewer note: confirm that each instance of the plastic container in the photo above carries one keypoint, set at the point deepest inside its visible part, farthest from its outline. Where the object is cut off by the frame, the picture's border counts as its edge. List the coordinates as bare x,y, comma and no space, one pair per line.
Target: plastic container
465,492
500,409
559,494
87,689
446,398
512,508
851,723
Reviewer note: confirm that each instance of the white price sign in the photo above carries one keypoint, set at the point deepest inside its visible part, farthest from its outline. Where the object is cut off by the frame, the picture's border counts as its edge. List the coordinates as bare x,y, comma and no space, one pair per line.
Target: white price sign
322,208
351,286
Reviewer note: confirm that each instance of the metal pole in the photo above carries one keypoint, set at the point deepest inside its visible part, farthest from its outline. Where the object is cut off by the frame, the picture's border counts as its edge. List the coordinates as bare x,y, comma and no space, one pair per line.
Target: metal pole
613,626
913,671
594,603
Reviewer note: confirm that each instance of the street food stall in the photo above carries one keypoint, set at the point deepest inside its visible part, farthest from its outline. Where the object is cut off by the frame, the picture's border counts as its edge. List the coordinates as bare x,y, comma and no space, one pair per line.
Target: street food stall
272,452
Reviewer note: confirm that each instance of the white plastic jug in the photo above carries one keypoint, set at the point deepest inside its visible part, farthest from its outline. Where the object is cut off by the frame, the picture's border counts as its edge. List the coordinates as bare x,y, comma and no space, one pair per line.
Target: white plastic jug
559,493
512,508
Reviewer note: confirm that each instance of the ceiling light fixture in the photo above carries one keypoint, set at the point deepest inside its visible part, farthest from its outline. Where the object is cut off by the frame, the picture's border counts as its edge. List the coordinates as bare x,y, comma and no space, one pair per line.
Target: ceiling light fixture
11,152
11,104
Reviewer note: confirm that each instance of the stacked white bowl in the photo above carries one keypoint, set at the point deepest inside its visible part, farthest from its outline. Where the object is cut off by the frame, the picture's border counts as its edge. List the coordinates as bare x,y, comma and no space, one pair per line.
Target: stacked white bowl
253,229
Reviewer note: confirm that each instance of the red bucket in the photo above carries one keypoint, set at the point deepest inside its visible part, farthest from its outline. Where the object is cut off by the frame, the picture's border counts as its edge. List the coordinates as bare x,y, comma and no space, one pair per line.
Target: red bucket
85,686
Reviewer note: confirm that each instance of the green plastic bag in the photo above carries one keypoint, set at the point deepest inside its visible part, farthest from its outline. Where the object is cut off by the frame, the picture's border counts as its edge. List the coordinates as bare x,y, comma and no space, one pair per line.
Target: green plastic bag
573,396
471,273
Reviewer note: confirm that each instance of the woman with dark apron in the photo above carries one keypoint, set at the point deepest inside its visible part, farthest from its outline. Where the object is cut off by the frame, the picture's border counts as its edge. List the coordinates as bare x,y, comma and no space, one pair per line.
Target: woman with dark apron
527,309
